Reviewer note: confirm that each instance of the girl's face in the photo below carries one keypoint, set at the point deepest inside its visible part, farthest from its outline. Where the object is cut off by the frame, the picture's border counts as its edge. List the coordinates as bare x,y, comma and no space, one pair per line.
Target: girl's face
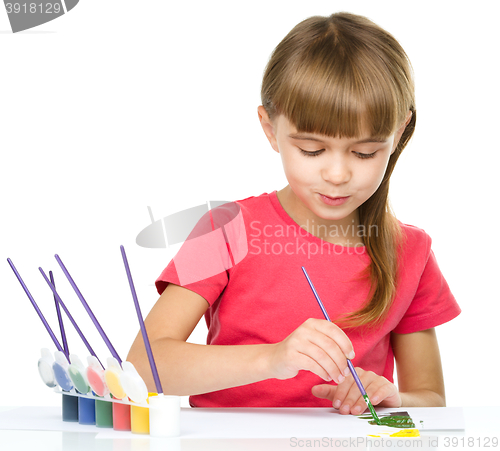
320,168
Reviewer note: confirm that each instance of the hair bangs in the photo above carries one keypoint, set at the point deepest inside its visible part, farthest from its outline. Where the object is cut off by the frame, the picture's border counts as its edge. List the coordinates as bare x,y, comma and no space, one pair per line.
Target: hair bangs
341,83
340,96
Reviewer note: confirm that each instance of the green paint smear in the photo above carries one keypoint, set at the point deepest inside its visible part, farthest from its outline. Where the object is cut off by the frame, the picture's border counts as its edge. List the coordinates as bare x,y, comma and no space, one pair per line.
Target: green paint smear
395,421
392,421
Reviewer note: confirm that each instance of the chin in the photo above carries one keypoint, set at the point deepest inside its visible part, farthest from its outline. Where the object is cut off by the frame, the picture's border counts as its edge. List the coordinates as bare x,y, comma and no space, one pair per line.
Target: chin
329,215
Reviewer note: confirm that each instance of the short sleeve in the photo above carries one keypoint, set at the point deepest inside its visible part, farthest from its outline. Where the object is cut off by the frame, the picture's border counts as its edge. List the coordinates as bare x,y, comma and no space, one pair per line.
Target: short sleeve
210,288
214,246
433,303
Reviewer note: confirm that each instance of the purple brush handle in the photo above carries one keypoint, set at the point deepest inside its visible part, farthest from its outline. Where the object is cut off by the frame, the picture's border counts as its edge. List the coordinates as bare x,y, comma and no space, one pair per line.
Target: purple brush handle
45,323
92,316
356,378
59,319
349,364
322,307
145,338
59,301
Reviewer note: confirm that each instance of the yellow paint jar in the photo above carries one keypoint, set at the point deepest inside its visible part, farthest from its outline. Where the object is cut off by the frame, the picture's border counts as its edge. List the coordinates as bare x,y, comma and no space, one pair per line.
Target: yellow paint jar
139,417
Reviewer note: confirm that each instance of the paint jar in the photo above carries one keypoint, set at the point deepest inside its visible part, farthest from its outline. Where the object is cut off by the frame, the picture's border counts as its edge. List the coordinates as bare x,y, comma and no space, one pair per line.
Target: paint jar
135,389
69,402
121,412
60,367
103,414
112,376
69,408
132,384
164,415
139,418
121,416
45,369
77,374
86,406
95,376
86,410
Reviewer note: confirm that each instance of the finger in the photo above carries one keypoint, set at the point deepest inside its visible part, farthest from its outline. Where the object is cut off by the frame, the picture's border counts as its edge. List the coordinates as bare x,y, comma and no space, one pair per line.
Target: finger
324,391
354,402
312,343
377,390
322,337
306,362
359,406
352,397
381,390
327,354
337,335
342,391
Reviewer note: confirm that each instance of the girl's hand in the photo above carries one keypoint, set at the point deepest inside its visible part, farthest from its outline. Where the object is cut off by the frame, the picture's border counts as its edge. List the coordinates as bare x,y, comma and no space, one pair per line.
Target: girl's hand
348,399
316,345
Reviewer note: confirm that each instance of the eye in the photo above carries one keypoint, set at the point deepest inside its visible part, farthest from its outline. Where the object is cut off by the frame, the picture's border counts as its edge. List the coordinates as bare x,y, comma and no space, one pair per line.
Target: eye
365,155
311,154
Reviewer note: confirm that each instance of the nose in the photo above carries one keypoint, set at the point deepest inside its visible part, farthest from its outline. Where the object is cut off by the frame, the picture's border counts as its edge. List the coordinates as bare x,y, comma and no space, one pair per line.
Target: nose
336,170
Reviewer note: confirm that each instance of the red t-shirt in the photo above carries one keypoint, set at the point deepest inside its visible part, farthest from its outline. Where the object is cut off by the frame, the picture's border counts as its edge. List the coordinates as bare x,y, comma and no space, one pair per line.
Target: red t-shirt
245,259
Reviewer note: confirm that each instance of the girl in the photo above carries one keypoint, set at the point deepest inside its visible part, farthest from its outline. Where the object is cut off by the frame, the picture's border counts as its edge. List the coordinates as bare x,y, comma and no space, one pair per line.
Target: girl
338,106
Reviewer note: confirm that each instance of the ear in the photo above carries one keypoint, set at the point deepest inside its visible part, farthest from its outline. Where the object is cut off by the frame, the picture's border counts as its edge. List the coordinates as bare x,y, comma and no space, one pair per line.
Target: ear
397,135
268,126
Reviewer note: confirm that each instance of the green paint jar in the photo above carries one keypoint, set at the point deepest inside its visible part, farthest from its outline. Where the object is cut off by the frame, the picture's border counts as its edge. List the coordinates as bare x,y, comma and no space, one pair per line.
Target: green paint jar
103,414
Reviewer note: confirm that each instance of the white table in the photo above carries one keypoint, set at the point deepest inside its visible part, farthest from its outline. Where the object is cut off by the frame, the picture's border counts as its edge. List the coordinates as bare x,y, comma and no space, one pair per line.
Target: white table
481,423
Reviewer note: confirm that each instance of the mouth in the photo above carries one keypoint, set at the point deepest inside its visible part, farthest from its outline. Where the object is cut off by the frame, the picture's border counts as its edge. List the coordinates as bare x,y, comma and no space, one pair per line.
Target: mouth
334,198
333,201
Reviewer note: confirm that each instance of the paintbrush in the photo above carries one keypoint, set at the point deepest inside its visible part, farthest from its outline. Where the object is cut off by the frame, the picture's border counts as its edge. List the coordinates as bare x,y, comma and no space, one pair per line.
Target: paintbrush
349,363
145,338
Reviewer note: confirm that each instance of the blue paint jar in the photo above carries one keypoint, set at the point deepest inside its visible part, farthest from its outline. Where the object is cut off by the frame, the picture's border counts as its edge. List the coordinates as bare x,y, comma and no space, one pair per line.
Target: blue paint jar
86,410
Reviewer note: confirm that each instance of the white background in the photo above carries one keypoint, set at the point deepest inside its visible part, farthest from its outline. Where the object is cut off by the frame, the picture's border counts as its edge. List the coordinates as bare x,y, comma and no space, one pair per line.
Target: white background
120,105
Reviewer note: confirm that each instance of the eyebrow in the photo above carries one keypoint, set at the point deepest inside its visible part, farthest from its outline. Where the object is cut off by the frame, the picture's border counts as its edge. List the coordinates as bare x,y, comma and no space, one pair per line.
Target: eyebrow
303,136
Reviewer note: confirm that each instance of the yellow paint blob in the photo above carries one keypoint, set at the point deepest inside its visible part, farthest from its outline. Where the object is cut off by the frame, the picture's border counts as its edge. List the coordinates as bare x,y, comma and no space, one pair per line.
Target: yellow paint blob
407,433
113,382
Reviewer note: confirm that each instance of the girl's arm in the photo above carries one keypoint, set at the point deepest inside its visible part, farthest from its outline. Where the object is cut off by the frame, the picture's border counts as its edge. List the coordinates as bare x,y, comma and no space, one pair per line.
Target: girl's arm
187,368
420,374
190,369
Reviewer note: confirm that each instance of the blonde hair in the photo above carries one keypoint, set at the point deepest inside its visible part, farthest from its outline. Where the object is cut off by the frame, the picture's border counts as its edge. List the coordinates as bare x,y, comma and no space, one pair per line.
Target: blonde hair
341,76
